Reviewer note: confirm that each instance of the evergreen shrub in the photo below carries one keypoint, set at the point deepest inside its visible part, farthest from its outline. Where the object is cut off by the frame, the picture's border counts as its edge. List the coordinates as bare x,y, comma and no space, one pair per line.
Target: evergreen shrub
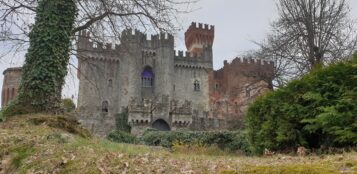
319,109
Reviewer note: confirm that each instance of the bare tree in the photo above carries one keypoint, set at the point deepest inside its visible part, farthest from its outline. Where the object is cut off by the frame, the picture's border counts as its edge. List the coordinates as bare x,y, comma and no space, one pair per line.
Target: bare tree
308,34
57,22
105,19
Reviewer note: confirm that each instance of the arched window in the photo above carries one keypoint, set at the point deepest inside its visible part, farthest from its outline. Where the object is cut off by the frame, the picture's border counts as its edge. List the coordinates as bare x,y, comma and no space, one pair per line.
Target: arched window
196,85
105,106
147,77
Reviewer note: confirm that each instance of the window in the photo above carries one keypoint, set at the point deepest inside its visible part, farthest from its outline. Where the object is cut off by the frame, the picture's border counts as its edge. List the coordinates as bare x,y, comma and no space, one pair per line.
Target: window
216,86
105,106
247,92
110,83
196,85
147,77
12,93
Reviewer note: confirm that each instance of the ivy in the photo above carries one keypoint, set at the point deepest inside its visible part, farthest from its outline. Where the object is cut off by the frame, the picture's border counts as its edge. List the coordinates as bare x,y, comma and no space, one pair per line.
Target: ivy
47,58
121,122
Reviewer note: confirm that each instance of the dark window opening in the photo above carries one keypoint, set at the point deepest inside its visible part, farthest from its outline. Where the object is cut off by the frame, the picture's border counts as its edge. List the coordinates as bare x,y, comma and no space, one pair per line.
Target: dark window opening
216,87
105,106
247,92
12,93
147,77
110,83
196,85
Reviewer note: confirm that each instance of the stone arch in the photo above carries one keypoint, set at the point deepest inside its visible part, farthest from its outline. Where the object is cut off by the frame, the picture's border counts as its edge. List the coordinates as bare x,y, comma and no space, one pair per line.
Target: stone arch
161,125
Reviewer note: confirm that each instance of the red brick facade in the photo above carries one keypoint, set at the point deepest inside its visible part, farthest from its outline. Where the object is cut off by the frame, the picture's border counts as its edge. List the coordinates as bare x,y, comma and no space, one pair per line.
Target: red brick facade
236,84
12,77
198,37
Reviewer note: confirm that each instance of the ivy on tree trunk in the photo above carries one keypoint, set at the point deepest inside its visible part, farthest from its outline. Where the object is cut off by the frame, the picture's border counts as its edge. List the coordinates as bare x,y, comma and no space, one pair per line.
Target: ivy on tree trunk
45,67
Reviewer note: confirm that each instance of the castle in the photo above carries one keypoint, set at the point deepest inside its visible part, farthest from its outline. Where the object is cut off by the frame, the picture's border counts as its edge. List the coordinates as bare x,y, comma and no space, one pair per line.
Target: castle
162,88
157,86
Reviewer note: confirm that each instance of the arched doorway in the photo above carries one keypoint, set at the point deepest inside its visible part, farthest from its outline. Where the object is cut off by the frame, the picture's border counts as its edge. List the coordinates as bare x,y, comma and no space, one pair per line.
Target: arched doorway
161,125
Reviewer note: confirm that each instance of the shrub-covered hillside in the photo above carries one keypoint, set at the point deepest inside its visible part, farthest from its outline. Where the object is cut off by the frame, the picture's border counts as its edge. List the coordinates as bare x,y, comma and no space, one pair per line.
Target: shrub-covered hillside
319,110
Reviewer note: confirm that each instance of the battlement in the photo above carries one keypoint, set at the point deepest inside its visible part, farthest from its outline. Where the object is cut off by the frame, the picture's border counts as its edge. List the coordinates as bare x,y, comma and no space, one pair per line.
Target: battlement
248,61
196,37
13,69
194,56
179,54
85,43
162,39
201,27
193,60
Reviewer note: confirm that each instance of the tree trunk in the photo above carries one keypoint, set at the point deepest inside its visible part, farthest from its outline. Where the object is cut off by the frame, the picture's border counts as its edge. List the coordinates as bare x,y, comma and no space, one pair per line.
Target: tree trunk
45,67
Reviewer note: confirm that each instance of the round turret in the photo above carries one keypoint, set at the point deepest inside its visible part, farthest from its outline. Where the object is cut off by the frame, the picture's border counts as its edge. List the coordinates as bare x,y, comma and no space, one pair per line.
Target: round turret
12,77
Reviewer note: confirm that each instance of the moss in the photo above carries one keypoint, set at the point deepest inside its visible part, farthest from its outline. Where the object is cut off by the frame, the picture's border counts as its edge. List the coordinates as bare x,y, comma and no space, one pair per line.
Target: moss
65,123
20,154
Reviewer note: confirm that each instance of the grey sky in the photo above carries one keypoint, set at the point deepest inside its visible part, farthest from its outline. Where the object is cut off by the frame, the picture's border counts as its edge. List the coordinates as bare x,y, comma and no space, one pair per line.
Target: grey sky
237,23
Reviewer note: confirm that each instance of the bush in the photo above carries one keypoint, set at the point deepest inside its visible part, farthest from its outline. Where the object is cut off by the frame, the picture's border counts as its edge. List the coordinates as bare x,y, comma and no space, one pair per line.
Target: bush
317,110
68,105
224,140
122,137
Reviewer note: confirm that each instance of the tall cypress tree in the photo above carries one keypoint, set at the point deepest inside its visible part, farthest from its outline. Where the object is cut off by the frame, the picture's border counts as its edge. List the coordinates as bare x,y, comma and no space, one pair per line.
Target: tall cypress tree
46,62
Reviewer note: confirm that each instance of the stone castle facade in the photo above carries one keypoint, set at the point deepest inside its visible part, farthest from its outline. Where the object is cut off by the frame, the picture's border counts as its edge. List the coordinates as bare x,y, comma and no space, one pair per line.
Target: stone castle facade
158,86
163,88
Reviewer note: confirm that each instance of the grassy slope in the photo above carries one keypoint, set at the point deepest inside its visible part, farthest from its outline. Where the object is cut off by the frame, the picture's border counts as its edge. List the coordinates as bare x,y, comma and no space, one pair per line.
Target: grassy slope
40,144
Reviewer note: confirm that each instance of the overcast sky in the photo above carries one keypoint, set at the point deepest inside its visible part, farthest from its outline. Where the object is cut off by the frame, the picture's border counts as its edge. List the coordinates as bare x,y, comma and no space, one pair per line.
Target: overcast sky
237,23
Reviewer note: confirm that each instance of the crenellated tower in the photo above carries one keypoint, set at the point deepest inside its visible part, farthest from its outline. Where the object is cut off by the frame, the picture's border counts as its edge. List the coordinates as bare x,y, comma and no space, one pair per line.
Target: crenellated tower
199,37
11,84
